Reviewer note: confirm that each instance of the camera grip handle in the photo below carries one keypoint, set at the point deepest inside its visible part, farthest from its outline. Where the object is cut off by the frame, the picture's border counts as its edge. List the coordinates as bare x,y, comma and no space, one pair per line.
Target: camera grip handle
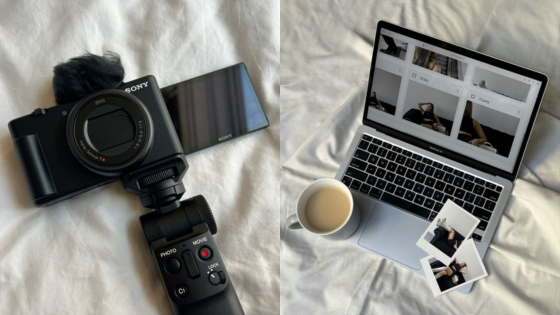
224,303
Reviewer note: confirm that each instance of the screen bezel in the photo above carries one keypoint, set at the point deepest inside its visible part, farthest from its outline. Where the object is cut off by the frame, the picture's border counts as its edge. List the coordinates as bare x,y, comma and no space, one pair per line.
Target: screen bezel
199,146
470,54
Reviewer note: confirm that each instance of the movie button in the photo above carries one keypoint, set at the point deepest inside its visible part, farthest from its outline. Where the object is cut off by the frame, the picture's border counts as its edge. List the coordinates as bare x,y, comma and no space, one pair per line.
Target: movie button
214,278
172,265
181,290
205,253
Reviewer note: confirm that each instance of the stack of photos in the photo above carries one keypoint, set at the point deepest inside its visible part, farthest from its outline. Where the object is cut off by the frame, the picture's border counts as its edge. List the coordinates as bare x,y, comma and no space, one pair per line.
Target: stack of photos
454,260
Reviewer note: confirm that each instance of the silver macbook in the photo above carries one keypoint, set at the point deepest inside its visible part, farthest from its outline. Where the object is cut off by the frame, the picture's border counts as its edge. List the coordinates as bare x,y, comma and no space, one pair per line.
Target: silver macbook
440,122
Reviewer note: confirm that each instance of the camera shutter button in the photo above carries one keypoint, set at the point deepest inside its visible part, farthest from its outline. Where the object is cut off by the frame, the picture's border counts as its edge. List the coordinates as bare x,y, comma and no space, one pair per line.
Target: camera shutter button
172,265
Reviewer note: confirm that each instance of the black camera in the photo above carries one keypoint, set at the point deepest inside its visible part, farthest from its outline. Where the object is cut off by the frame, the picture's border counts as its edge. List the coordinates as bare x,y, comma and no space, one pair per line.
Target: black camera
193,273
71,148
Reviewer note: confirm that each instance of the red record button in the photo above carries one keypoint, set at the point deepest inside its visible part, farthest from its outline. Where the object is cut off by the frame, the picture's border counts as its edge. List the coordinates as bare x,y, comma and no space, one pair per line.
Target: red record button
205,253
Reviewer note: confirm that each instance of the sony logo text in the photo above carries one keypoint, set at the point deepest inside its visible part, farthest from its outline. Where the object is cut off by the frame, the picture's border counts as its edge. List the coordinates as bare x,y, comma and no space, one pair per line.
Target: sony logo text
224,137
136,87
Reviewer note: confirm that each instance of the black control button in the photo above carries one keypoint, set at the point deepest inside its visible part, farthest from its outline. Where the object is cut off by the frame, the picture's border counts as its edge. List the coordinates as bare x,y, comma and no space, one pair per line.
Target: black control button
214,278
181,290
172,265
205,253
39,112
222,277
192,269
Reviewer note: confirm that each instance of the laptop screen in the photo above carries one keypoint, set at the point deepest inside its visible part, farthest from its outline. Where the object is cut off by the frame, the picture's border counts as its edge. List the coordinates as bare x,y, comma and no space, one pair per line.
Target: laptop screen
446,98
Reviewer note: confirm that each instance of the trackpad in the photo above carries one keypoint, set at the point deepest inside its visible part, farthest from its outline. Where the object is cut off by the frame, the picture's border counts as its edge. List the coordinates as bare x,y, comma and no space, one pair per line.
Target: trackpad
393,233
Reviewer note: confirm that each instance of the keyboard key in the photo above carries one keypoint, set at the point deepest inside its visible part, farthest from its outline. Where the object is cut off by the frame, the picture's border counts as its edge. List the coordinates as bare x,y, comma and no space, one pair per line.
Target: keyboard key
419,199
410,163
439,174
458,182
459,193
479,201
346,181
469,207
392,166
426,161
390,176
361,154
433,215
409,206
371,169
438,196
406,153
468,177
476,237
352,172
382,163
359,164
410,174
417,157
363,145
390,188
397,149
409,195
447,197
419,167
382,152
372,148
399,180
490,185
448,169
391,156
376,193
355,184
418,188
478,190
460,203
481,213
458,173
490,194
371,180
400,191
479,181
430,182
401,159
373,159
377,141
499,188
408,184
386,145
365,188
401,170
437,165
429,203
438,206
429,170
367,138
468,186
469,197
448,178
428,192
489,205
440,185
381,184
482,225
420,178
380,173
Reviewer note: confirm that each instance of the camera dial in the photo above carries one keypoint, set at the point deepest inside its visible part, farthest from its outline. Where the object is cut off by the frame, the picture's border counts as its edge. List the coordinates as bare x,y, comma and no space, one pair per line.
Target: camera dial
109,131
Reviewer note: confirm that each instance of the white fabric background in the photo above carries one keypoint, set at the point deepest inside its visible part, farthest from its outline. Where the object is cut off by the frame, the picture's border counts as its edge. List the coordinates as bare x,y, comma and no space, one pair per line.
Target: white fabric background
326,49
88,255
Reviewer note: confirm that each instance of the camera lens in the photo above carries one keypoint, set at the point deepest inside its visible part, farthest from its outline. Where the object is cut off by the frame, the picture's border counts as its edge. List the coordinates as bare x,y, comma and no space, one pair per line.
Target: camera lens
109,131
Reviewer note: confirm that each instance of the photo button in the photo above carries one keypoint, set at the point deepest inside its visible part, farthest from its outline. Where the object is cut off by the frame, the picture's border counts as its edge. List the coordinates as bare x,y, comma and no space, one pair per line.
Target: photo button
181,290
205,253
172,265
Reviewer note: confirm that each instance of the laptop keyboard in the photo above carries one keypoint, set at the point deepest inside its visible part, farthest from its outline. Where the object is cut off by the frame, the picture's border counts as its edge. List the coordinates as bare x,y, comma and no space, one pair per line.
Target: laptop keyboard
417,184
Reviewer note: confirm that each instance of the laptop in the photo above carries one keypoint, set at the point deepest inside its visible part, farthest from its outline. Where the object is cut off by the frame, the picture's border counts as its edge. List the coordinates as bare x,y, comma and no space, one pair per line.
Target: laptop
440,122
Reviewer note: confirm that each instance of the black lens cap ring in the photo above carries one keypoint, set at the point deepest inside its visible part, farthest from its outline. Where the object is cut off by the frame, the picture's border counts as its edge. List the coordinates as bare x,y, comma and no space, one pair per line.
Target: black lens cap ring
109,131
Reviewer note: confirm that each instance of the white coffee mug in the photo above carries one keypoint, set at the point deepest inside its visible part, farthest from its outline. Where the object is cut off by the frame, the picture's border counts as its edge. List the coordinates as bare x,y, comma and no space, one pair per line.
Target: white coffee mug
298,220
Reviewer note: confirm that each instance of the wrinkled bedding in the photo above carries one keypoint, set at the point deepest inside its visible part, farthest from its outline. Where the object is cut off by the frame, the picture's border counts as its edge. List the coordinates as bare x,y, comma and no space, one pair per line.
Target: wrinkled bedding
326,52
88,255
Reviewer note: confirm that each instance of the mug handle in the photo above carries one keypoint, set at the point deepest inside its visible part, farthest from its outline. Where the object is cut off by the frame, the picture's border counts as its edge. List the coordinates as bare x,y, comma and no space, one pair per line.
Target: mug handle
293,223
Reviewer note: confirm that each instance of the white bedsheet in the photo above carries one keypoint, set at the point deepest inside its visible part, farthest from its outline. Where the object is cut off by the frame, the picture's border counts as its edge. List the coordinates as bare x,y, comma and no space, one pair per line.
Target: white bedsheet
88,255
326,50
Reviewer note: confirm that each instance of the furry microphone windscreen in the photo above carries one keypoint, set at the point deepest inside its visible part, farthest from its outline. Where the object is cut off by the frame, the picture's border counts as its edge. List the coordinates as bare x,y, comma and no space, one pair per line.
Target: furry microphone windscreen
85,74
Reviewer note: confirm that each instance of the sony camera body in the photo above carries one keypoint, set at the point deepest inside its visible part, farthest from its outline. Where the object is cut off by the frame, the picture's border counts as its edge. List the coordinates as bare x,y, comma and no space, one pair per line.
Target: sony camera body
71,148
